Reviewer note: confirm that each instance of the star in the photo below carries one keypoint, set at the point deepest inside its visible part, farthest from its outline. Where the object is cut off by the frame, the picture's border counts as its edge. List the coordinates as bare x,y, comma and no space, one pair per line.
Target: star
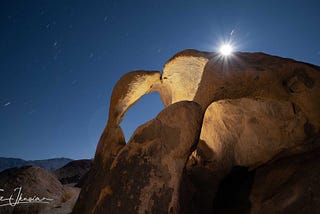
7,104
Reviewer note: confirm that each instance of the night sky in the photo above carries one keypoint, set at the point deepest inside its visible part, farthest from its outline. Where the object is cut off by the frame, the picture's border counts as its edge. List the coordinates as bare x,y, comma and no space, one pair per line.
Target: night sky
59,60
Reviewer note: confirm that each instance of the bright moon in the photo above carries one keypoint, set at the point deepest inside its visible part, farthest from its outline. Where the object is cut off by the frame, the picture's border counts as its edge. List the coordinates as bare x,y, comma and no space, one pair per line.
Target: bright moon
226,49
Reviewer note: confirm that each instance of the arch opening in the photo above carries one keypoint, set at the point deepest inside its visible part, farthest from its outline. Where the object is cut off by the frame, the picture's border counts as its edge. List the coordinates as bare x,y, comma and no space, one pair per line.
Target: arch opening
144,110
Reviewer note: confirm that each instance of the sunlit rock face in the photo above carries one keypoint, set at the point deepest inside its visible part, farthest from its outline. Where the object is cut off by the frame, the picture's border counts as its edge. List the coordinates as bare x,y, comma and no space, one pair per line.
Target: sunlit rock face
254,107
181,76
250,131
128,90
254,75
255,129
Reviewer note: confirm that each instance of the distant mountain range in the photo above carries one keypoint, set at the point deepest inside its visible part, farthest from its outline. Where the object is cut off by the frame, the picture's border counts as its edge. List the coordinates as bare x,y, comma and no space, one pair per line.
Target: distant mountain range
48,164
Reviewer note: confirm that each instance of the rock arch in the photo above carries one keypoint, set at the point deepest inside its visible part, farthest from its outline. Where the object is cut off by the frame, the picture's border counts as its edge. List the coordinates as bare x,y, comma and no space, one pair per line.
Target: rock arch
253,86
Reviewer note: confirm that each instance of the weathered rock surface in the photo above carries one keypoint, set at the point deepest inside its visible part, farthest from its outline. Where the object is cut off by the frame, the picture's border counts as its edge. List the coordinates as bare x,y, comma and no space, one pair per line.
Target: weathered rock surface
288,184
255,129
148,170
255,106
206,77
110,143
128,90
241,132
67,203
181,76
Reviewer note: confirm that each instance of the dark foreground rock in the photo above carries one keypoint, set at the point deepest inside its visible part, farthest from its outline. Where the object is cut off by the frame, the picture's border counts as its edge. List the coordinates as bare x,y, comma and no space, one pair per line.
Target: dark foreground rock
289,184
29,185
33,181
72,172
149,168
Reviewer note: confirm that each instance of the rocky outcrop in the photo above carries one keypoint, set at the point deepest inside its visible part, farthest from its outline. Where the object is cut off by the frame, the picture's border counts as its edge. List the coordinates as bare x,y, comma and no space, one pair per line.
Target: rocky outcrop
241,132
29,185
181,76
128,90
255,106
72,172
256,75
33,181
149,168
110,143
288,185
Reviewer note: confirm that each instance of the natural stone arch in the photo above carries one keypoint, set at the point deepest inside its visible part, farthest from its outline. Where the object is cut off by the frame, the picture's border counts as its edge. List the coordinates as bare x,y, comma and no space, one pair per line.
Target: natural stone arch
201,77
181,76
128,90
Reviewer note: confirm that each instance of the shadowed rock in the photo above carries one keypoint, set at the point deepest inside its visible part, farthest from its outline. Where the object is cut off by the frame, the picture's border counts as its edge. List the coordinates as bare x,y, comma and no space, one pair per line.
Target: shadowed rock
242,132
128,90
148,170
34,181
110,143
288,185
72,172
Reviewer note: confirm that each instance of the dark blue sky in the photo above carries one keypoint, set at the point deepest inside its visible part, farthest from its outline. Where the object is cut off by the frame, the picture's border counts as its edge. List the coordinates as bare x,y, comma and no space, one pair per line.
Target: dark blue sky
59,60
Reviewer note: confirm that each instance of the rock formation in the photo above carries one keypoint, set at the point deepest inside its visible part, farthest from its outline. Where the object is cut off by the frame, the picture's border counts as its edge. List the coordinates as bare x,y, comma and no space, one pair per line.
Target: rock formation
149,168
128,90
241,132
254,75
30,182
73,172
254,107
34,181
288,185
